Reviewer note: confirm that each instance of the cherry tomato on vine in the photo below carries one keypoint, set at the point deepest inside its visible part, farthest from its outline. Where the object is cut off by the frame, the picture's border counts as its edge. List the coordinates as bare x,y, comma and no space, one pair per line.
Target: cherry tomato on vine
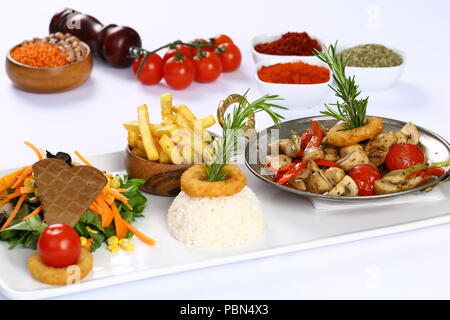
221,39
205,45
365,175
59,246
207,68
403,155
152,71
179,73
186,51
230,56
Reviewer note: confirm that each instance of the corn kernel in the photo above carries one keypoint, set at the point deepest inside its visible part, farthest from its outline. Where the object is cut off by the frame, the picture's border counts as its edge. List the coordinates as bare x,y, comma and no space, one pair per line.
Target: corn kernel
91,230
113,241
83,241
129,247
115,182
29,182
113,248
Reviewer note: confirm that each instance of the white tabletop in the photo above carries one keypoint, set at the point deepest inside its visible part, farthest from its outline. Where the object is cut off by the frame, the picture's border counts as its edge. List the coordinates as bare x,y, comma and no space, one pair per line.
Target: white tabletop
88,119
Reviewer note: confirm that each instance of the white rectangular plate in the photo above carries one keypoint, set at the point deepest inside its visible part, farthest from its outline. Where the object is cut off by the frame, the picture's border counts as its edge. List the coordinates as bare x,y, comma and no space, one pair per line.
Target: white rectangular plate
293,224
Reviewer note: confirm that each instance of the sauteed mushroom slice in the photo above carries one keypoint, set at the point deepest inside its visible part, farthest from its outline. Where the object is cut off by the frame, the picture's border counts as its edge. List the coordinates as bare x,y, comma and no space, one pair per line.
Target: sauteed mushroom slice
331,153
298,184
353,159
346,187
411,132
313,154
279,161
349,149
334,175
284,146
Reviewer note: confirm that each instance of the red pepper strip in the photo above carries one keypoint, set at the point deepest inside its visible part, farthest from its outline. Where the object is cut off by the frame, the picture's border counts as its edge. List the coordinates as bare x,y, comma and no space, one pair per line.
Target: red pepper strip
327,163
431,171
317,138
300,154
305,137
286,168
296,170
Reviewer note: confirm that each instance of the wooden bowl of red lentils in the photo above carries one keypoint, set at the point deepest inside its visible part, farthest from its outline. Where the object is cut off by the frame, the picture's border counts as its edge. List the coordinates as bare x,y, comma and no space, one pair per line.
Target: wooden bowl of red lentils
56,63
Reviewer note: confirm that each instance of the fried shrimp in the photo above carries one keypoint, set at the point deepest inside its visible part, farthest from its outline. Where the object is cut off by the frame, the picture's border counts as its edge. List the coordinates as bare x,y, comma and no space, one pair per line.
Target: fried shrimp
193,183
60,276
339,137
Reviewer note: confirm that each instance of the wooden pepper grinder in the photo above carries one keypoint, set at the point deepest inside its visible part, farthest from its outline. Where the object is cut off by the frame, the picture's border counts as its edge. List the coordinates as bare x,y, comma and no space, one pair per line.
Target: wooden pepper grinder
112,43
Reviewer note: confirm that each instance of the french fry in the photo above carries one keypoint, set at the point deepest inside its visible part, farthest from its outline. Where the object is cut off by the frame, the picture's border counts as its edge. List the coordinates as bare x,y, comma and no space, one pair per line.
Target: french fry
187,114
182,123
132,138
166,104
163,157
147,138
133,126
208,121
166,130
168,120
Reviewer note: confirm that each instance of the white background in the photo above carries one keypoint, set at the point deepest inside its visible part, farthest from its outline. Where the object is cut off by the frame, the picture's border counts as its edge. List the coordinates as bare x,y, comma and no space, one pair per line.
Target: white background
409,265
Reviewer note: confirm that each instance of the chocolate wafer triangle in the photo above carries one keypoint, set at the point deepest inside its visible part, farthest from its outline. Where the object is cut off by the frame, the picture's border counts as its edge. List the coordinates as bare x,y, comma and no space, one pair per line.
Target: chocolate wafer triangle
66,192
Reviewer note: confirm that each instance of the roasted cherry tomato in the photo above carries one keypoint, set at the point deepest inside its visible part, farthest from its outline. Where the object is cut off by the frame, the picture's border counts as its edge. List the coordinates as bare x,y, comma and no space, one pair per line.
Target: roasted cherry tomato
179,73
152,71
186,51
230,55
365,175
220,39
207,68
59,246
403,155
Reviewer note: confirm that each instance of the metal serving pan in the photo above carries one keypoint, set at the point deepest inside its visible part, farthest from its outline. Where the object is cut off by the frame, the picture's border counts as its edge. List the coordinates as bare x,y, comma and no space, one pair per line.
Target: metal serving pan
436,148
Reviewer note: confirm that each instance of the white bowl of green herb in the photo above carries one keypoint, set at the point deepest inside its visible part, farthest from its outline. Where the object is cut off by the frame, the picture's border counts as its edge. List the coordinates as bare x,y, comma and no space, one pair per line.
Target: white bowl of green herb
375,66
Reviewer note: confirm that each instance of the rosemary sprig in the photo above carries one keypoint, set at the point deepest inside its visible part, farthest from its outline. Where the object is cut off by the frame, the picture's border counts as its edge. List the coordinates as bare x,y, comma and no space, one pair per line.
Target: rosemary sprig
234,127
352,111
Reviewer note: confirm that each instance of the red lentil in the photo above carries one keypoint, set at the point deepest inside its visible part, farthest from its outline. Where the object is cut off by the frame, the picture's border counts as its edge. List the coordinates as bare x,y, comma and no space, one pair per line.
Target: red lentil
39,55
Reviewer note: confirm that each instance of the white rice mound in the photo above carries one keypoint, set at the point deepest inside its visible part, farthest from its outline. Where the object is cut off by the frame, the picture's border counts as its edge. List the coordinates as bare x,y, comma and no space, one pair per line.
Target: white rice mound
221,222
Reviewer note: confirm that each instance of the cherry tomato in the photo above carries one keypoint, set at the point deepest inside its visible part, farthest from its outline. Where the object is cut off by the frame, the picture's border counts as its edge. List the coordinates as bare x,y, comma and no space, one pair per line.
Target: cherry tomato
221,39
152,71
365,175
179,73
186,51
403,155
207,68
231,57
59,246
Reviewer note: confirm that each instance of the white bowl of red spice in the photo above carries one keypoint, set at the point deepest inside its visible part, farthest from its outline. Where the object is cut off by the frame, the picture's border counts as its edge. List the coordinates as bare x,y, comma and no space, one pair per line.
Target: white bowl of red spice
56,63
300,84
286,46
375,67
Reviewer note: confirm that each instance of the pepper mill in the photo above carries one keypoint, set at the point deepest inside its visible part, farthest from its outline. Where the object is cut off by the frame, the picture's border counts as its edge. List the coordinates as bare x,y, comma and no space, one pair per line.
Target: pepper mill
112,43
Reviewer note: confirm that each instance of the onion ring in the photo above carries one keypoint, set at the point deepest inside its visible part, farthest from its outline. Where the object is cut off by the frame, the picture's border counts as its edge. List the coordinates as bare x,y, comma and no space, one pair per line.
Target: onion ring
193,184
340,137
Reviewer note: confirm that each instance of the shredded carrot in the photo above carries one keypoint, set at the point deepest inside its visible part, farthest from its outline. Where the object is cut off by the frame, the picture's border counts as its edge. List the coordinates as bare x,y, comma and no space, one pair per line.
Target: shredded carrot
7,181
33,213
35,149
105,210
14,212
139,234
121,227
121,190
25,174
117,195
108,175
13,195
83,159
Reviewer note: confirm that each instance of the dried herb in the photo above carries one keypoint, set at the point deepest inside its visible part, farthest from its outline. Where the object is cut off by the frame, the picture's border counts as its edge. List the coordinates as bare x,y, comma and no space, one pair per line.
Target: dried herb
371,56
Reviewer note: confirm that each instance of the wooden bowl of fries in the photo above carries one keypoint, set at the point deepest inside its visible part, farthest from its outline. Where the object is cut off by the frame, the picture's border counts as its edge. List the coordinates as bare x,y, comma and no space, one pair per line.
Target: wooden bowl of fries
160,153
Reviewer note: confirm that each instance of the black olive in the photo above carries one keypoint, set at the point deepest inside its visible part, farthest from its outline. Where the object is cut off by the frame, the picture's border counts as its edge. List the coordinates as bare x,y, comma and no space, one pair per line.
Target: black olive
64,157
61,156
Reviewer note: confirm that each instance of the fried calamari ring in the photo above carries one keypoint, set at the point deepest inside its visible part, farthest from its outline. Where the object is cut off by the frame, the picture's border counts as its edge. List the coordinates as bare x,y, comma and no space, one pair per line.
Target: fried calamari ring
339,137
60,276
192,182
